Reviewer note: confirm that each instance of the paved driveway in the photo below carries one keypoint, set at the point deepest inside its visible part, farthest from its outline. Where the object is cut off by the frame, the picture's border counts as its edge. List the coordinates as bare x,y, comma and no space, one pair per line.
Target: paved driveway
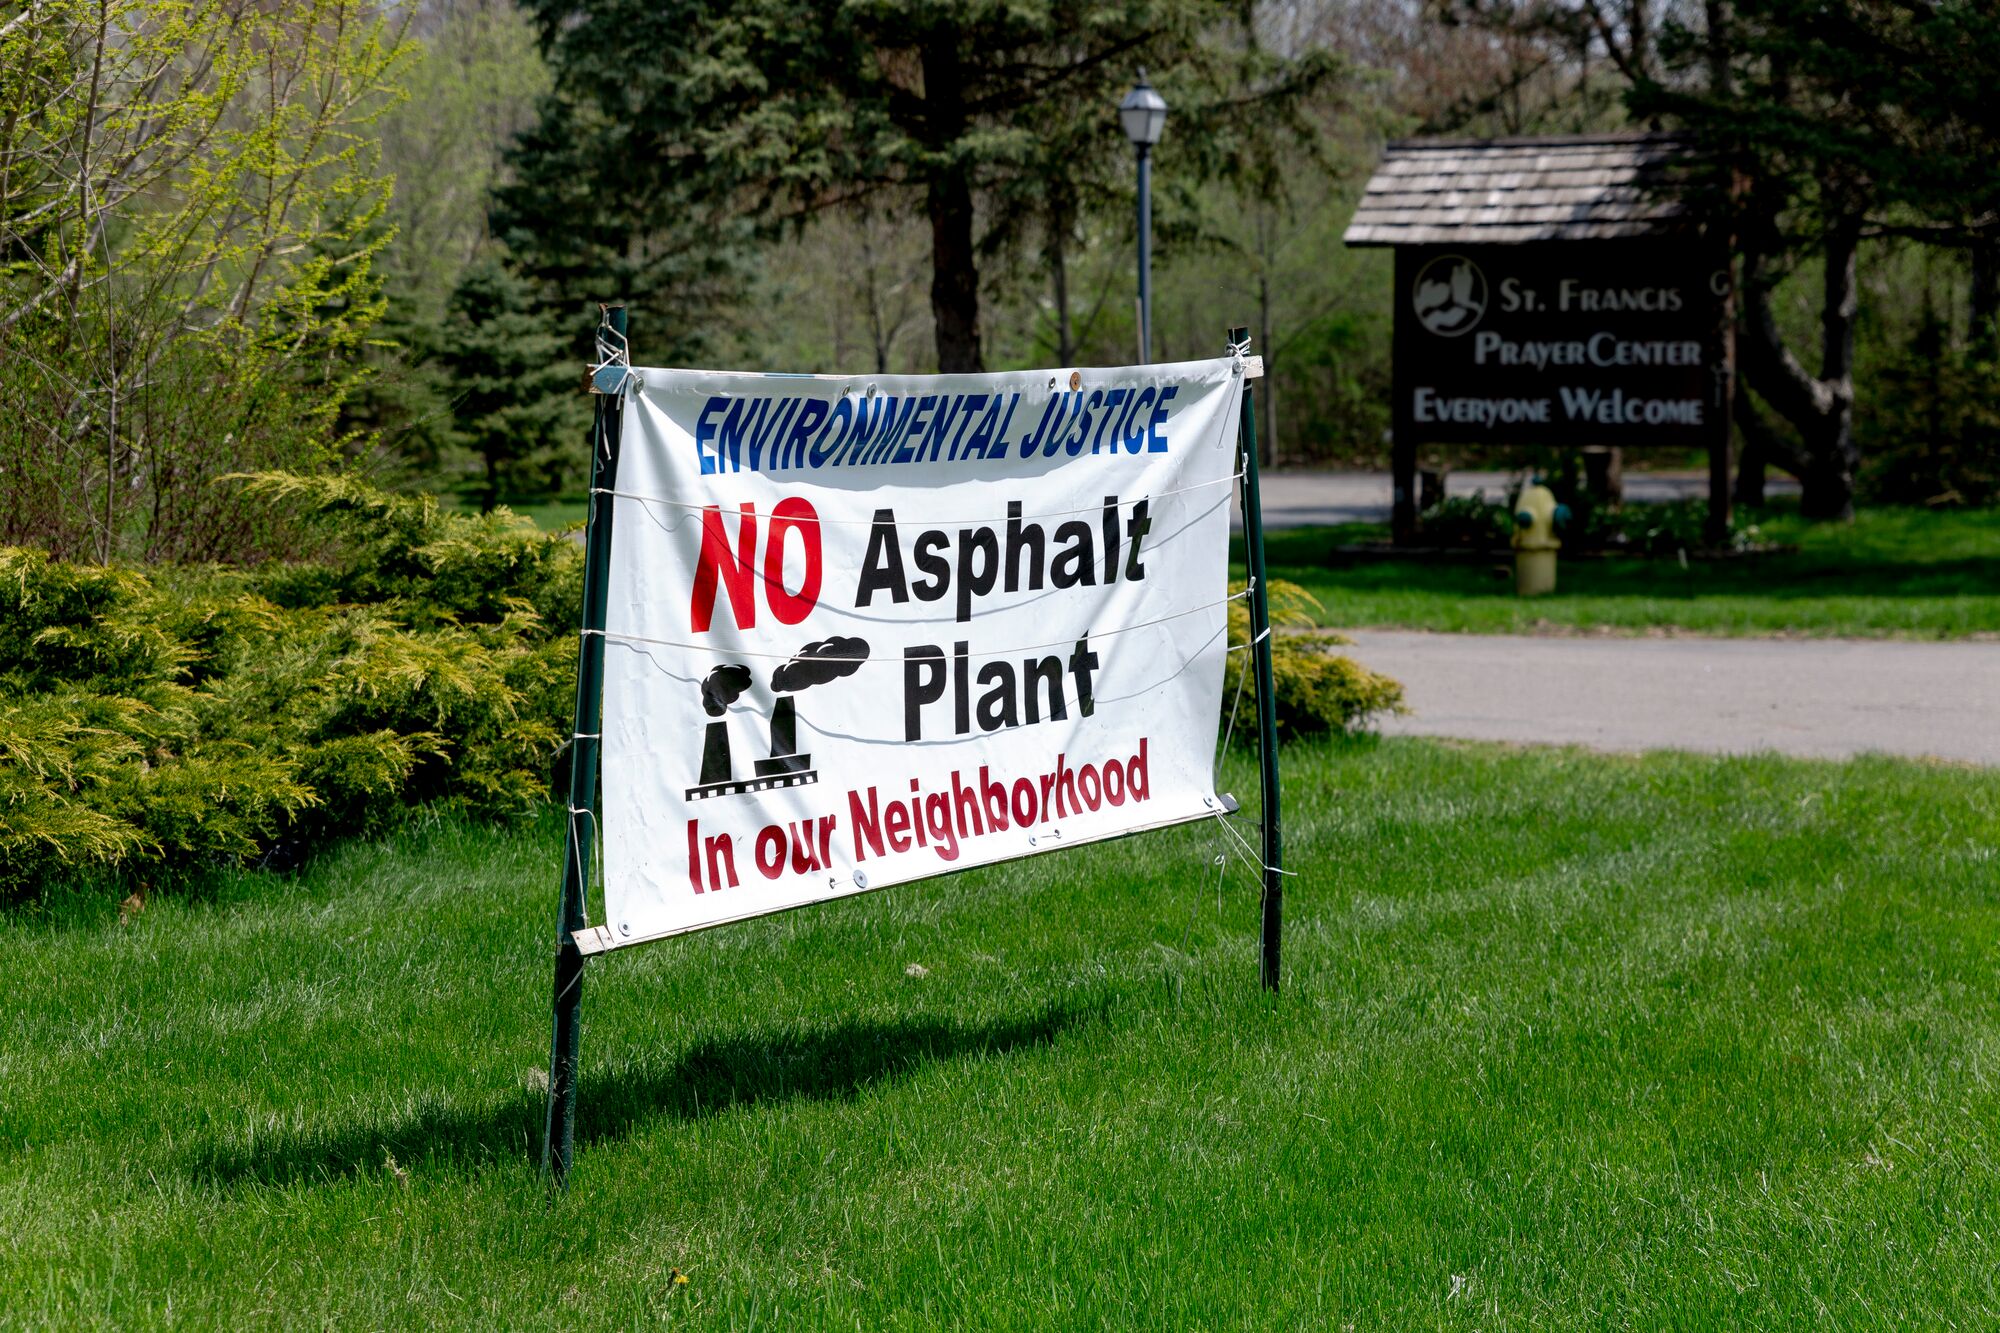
1298,499
1818,697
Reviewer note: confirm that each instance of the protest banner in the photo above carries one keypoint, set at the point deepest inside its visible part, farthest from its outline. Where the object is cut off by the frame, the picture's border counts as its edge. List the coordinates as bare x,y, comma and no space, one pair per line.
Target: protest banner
841,633
861,631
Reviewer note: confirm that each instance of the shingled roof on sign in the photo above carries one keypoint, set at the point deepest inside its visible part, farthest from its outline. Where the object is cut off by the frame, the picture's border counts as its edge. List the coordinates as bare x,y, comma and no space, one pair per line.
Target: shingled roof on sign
1510,191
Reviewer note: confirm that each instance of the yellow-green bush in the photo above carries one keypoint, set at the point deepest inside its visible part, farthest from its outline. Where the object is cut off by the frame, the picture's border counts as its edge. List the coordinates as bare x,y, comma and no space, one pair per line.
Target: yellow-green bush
157,722
1318,690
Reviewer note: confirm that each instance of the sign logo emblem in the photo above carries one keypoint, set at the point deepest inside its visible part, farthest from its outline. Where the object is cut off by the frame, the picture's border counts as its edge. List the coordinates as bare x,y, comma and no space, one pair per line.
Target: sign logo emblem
1450,295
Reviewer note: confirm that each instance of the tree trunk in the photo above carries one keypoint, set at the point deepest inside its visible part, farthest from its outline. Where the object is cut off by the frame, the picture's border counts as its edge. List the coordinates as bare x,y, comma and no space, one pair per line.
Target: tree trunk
1604,475
1982,334
1752,477
1270,384
1763,449
954,276
1820,408
1716,44
1827,485
1059,275
954,263
1752,460
872,290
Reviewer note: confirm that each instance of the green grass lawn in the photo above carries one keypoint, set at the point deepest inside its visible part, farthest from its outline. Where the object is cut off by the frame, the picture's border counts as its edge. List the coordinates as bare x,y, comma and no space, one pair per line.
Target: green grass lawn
1567,1041
1900,572
555,515
551,514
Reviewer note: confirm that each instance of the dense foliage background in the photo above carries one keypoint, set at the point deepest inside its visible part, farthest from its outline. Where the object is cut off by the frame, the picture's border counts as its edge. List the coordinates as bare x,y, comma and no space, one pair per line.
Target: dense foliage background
354,248
323,233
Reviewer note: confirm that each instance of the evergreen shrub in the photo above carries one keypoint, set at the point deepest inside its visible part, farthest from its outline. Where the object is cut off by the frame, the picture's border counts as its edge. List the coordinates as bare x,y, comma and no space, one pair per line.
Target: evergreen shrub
1319,691
158,722
1930,430
1468,520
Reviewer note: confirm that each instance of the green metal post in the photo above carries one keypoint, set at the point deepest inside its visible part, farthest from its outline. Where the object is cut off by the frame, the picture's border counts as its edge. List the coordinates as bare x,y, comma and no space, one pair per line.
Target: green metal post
1267,698
559,1140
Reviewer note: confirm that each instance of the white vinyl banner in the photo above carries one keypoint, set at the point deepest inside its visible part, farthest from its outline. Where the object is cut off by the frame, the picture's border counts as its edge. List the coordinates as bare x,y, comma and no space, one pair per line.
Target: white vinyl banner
866,630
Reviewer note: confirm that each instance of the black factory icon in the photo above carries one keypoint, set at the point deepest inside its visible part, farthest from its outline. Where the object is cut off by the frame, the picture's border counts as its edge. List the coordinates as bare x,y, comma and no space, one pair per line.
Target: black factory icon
815,664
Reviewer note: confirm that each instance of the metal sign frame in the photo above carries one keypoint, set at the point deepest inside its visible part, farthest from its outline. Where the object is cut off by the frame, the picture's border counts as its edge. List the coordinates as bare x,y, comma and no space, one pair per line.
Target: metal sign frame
607,381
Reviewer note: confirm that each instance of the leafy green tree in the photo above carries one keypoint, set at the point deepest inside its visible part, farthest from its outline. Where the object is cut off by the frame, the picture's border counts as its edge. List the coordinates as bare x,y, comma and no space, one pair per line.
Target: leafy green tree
1824,126
1831,123
189,199
675,123
473,86
1930,423
517,402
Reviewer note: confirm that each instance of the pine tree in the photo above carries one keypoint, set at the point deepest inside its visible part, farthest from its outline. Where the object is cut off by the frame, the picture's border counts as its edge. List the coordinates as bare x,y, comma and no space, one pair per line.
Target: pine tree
1823,125
518,407
675,126
1828,124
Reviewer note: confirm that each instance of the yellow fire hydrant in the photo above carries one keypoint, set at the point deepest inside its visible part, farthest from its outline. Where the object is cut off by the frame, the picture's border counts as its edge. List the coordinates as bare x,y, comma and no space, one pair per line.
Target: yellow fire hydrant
1536,517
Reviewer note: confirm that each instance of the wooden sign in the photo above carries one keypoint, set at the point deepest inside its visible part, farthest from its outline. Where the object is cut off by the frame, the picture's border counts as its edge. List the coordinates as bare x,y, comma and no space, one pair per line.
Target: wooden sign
1564,343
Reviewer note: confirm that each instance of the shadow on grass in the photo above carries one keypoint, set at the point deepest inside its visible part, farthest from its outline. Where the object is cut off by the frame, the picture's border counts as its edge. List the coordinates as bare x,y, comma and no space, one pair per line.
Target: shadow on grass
715,1076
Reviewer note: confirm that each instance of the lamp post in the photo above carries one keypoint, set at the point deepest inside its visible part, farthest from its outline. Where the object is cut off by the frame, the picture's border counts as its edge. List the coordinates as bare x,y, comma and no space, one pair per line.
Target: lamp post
1143,113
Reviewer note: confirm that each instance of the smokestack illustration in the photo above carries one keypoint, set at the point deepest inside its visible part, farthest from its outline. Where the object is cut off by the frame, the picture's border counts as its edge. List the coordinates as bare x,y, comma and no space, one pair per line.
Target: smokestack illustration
714,756
784,741
719,689
815,664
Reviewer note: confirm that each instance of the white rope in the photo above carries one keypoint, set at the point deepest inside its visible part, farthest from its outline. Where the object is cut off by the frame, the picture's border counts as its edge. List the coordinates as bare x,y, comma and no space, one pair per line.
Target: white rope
1251,852
1230,730
940,522
613,348
584,871
614,635
1223,859
1221,870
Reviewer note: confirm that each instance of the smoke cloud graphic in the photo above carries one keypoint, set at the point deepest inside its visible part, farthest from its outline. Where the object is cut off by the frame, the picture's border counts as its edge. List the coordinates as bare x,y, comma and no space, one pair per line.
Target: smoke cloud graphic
720,687
818,663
